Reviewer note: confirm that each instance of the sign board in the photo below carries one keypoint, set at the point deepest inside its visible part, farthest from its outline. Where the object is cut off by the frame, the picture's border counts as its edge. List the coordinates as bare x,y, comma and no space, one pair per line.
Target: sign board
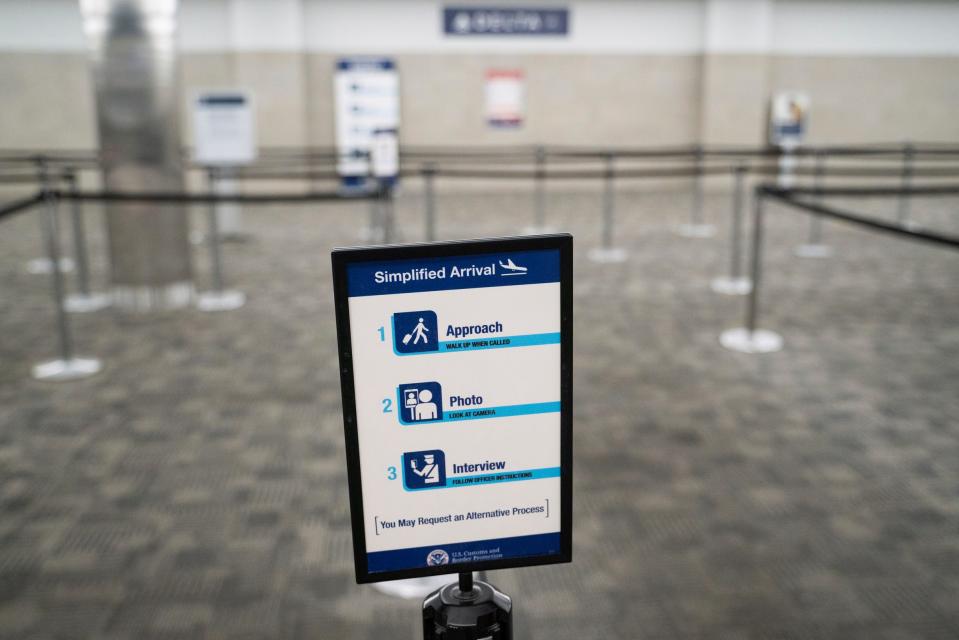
505,21
224,128
456,372
385,154
505,98
788,115
367,99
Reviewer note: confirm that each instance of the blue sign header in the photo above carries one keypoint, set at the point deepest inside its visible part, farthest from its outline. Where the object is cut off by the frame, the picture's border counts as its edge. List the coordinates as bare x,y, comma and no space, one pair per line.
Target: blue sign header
462,272
505,21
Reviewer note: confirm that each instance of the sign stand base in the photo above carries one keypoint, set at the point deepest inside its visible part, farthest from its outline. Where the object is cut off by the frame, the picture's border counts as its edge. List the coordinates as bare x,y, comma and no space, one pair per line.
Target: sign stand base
746,341
64,370
732,286
813,251
696,230
608,255
537,231
87,303
467,610
43,266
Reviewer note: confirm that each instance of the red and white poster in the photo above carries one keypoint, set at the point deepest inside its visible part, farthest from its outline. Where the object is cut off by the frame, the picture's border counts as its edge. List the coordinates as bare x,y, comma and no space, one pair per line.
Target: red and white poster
505,97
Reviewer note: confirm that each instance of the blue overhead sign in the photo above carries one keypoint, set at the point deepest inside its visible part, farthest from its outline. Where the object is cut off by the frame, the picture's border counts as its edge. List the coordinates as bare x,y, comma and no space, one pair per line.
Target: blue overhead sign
505,21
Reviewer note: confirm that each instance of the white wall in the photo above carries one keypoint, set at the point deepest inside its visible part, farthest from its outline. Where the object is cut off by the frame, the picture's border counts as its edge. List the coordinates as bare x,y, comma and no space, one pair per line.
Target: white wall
793,27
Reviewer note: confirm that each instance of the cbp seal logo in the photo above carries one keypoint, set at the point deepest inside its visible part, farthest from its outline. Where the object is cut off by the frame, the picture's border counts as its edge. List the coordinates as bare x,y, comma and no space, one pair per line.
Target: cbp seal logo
437,557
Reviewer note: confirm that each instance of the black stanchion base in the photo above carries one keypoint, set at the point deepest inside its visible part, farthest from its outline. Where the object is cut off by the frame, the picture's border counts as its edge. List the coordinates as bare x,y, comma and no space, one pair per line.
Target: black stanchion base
482,613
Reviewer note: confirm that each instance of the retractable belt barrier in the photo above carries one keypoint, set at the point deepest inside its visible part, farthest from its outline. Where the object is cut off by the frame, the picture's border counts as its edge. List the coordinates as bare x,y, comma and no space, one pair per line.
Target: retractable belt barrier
751,339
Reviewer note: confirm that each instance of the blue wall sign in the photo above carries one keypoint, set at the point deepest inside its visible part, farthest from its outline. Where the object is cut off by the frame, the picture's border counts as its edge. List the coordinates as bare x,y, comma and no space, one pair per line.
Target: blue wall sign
505,21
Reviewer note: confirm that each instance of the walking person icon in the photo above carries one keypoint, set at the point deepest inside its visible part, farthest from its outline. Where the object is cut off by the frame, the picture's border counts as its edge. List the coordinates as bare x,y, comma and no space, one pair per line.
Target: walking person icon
415,332
419,331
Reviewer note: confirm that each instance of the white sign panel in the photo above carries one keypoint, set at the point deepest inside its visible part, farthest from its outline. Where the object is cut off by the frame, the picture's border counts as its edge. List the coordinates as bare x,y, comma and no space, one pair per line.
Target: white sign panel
788,117
367,100
505,97
456,370
224,132
385,154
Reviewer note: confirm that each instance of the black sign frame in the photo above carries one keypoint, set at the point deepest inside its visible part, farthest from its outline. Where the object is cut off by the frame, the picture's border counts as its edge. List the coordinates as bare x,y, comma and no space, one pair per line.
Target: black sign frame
342,259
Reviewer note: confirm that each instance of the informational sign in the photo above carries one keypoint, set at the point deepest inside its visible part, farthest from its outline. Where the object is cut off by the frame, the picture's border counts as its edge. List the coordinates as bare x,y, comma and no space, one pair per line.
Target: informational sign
505,21
456,370
367,100
224,128
788,116
505,98
385,155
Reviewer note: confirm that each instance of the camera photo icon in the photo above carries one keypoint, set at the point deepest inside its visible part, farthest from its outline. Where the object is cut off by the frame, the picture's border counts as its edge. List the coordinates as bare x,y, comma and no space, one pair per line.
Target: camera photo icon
420,402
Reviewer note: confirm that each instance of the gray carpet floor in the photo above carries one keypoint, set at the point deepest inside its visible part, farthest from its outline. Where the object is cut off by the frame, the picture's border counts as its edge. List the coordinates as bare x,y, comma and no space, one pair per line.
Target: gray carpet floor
196,487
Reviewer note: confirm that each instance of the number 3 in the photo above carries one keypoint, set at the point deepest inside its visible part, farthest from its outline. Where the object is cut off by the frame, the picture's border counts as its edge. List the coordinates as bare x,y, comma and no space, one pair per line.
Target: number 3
392,473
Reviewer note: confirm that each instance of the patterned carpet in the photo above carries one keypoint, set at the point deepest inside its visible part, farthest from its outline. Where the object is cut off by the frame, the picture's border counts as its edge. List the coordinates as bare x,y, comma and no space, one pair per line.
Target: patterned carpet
196,489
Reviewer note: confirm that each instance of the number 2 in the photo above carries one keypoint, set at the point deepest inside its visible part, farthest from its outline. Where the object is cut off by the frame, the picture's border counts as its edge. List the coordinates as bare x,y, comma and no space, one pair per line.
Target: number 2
387,405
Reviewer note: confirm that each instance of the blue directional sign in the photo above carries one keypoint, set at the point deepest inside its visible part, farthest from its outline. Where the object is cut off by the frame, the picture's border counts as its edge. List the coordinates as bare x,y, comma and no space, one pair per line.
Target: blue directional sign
505,21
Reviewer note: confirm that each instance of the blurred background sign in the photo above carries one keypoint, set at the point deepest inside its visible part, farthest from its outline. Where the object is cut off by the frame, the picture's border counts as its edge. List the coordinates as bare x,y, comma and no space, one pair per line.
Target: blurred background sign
505,97
787,118
224,133
367,99
502,21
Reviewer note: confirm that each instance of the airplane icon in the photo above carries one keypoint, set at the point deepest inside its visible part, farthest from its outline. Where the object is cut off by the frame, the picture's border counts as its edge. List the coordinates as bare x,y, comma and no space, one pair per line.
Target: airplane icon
513,268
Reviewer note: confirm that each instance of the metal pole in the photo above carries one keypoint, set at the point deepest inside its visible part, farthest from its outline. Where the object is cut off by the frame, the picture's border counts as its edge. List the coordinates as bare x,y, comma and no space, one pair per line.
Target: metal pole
386,195
213,237
39,266
609,204
815,222
752,308
79,236
735,284
735,249
607,252
814,247
697,227
67,366
53,251
749,339
220,298
908,156
696,215
429,197
539,209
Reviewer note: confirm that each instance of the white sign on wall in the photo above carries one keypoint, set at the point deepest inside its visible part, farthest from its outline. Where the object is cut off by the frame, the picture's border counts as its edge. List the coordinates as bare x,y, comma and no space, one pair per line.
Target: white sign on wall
367,98
456,366
385,154
224,130
788,117
505,97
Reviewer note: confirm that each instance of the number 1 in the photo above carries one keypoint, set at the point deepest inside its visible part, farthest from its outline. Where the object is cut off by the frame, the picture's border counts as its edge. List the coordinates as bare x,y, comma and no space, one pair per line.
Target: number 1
382,334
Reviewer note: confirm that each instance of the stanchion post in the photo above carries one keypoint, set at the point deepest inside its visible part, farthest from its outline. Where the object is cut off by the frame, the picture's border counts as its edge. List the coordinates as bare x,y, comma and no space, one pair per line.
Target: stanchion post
607,252
220,298
84,301
908,159
750,339
429,201
67,366
814,247
386,198
735,283
42,266
539,194
697,227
